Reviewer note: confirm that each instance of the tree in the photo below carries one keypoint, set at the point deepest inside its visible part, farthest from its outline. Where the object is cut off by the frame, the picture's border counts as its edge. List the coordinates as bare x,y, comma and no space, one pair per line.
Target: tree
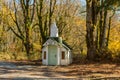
96,18
5,20
44,17
91,20
23,26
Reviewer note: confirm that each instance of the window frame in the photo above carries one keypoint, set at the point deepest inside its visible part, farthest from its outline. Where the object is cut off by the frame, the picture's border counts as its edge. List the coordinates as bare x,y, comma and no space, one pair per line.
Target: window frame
44,55
62,55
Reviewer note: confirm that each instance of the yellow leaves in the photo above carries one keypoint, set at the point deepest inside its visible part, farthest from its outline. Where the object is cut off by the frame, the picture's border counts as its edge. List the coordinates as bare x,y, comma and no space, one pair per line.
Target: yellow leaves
114,43
37,46
80,22
6,14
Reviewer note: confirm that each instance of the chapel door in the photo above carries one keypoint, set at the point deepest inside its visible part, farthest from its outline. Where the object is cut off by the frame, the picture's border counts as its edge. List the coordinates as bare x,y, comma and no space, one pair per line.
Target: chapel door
52,55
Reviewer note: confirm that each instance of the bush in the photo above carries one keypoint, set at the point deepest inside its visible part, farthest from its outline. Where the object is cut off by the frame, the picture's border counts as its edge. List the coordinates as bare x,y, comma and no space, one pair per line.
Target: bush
116,56
4,56
103,55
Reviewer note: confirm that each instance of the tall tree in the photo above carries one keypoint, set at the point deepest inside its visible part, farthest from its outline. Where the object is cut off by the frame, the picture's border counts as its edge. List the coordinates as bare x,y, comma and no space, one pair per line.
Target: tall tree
45,18
97,14
91,20
24,25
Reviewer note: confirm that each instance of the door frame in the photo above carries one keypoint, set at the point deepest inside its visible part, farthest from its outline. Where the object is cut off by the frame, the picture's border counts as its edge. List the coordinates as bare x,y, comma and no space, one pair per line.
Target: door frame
53,56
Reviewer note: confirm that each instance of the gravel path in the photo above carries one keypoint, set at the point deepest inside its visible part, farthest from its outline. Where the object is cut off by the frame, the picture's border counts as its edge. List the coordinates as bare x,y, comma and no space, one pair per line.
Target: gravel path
27,72
11,71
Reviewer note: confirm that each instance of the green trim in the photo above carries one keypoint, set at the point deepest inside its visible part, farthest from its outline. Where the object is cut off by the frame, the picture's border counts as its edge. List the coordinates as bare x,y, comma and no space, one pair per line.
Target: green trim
62,42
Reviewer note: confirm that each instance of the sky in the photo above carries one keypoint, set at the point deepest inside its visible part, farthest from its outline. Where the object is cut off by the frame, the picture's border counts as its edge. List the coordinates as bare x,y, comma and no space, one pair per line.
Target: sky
83,2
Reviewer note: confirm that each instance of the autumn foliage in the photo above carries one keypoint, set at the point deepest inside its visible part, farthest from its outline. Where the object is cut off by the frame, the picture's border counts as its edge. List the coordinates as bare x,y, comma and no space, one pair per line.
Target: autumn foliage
25,24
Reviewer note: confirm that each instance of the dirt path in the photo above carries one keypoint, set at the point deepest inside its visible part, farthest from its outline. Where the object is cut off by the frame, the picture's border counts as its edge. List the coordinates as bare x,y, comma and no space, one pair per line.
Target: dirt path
85,71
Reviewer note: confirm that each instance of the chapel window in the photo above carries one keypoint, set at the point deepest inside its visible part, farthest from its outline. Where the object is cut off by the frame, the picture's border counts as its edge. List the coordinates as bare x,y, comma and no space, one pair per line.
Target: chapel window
44,54
63,54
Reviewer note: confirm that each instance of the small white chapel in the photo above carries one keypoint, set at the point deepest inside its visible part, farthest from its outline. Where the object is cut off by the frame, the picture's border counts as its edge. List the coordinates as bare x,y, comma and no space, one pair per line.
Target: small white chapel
55,51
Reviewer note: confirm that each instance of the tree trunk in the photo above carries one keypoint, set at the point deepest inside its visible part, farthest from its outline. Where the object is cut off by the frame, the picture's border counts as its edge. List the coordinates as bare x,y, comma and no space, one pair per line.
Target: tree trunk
90,23
27,43
108,35
102,27
109,27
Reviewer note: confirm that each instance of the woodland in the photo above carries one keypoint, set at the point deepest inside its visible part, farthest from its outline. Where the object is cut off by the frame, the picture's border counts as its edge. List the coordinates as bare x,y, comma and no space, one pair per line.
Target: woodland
92,29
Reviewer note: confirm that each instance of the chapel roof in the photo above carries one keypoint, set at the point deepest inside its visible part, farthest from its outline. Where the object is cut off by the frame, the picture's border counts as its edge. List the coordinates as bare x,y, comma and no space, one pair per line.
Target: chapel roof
60,41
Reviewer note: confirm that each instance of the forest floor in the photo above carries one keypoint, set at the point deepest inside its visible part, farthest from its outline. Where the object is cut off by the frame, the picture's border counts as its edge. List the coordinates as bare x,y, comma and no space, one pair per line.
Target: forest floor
24,70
